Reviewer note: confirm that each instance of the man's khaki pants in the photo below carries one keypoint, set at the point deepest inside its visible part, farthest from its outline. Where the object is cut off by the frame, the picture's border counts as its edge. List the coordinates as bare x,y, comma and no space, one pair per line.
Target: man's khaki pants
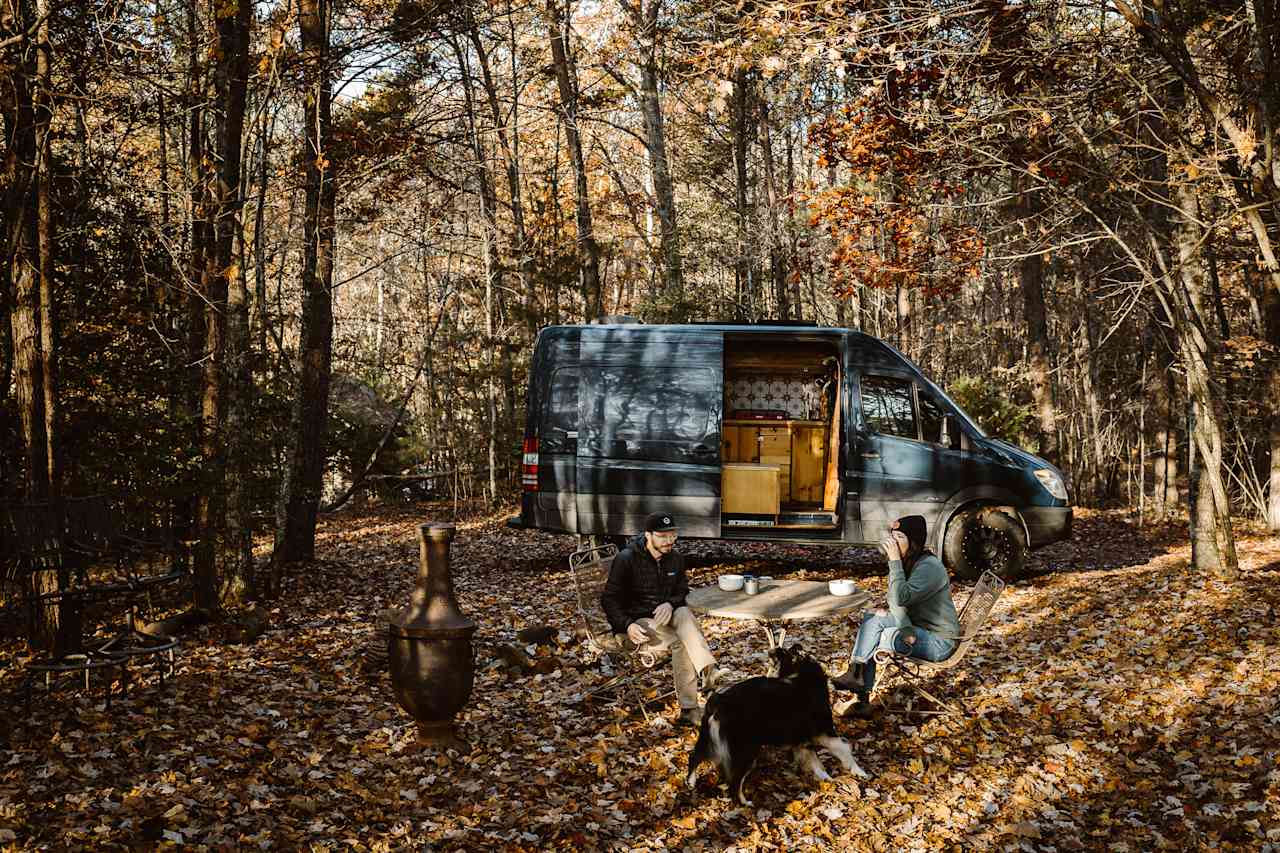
689,652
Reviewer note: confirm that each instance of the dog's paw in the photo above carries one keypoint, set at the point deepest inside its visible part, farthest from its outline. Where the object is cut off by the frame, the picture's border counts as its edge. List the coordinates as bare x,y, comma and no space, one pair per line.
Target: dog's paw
691,781
857,771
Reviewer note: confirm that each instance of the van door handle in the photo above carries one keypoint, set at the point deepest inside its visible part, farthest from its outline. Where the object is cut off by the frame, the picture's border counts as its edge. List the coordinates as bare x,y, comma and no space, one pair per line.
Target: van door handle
871,454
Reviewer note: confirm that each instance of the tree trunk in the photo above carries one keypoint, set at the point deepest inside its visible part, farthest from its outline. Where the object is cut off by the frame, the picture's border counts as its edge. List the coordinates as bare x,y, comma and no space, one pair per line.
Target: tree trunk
184,403
6,340
1039,364
43,102
1164,438
233,39
1181,291
503,343
22,255
1204,547
645,19
24,267
304,475
792,276
511,146
259,241
493,285
1271,314
777,260
1087,355
744,285
220,275
566,81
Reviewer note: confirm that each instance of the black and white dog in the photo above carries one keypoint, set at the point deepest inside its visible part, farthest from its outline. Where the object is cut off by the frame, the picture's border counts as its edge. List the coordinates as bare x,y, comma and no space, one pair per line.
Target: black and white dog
788,707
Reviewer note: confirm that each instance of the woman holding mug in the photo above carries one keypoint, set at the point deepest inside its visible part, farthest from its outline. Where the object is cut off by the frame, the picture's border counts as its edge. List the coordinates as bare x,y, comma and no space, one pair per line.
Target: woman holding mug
921,620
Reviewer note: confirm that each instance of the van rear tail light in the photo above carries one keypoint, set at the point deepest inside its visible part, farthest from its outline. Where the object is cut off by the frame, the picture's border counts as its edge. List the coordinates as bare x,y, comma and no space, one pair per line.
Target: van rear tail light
529,469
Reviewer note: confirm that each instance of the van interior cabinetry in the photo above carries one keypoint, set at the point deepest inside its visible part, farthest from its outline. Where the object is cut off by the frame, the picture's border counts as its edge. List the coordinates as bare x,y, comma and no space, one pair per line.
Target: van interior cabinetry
797,449
808,464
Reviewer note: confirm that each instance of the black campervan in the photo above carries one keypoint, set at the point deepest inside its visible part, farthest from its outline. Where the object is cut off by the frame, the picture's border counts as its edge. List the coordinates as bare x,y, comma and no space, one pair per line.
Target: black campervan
803,434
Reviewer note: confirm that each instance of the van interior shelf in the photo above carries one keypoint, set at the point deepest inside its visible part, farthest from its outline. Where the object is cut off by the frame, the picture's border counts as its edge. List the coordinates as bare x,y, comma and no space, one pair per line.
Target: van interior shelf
757,422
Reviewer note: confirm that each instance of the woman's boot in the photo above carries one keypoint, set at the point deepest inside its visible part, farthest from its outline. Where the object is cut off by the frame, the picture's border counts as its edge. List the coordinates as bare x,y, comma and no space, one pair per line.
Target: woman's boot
852,678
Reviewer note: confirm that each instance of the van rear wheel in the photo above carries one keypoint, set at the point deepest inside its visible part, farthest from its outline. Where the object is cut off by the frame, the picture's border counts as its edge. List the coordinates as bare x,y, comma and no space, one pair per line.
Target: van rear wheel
985,539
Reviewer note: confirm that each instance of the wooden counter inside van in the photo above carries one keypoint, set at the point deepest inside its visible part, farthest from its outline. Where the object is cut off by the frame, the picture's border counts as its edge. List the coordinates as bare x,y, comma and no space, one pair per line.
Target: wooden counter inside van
798,448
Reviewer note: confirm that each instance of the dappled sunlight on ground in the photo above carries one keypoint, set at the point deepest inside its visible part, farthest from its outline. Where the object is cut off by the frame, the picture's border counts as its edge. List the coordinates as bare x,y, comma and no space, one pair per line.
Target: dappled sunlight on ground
1119,701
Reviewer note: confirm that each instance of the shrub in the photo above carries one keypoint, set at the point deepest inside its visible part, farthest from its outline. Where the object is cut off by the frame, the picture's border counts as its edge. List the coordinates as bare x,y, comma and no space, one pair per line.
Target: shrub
995,412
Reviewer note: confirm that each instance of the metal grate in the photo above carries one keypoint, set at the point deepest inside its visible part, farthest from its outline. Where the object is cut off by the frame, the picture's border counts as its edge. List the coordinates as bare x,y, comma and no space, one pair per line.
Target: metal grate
983,598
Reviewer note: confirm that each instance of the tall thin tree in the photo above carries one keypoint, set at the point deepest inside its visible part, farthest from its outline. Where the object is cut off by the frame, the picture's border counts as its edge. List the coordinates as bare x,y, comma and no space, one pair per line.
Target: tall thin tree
300,491
218,277
567,85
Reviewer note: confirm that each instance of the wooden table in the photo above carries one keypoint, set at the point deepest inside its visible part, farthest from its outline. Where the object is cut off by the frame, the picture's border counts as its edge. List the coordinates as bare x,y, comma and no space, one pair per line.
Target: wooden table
778,602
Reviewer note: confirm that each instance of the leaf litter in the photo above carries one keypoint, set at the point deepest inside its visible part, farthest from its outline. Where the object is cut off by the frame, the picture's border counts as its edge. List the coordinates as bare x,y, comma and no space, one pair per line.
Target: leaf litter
1119,701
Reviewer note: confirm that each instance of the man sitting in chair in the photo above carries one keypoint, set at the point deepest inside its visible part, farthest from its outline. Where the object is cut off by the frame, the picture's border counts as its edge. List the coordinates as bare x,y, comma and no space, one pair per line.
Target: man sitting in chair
644,600
921,621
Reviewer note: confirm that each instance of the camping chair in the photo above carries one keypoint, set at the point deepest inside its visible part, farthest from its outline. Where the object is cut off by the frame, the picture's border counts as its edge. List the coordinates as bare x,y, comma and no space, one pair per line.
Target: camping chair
973,618
590,570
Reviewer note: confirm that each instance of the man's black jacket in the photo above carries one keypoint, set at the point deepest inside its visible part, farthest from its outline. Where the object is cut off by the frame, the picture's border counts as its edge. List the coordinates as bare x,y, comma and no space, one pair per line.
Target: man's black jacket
638,584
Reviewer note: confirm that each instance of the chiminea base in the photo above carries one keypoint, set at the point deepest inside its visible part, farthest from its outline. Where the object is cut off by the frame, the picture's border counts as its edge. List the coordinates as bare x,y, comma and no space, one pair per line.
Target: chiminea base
441,736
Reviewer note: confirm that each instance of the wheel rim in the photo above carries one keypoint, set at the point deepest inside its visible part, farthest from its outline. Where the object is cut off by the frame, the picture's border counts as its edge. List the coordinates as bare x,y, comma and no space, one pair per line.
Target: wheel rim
989,549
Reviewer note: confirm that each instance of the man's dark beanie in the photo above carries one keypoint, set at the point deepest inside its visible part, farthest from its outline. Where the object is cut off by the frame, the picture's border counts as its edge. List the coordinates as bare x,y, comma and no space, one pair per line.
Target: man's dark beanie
658,522
915,528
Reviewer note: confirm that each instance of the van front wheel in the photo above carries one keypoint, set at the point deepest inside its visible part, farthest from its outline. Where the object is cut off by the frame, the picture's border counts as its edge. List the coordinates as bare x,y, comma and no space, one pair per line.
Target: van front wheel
980,540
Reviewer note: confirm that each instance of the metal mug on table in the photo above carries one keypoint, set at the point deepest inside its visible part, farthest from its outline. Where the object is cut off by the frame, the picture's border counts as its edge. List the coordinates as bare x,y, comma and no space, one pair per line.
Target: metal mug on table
751,586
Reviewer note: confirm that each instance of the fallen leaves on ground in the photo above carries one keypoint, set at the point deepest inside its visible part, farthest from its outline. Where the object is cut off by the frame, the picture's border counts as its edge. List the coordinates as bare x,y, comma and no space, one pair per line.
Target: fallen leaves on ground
1119,702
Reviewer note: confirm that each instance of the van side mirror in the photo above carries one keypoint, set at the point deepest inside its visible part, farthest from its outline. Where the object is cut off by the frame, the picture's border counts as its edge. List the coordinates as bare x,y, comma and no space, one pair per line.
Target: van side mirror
950,437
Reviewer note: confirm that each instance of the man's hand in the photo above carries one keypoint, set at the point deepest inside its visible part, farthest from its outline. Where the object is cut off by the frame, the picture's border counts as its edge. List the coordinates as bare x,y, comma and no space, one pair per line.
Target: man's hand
662,615
637,634
889,545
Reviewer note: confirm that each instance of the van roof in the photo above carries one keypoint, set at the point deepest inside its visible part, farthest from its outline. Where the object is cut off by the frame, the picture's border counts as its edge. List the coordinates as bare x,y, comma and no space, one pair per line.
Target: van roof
777,327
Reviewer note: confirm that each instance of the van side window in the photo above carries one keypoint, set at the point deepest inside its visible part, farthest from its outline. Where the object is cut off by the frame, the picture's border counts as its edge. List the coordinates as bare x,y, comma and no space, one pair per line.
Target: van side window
560,423
887,406
649,412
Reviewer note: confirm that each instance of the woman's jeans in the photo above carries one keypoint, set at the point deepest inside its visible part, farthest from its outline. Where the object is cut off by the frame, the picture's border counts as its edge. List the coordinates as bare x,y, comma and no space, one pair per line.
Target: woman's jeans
881,632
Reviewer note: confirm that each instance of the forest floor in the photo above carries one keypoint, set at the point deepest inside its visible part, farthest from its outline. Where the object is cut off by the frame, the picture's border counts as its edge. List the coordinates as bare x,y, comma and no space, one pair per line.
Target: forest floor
1119,702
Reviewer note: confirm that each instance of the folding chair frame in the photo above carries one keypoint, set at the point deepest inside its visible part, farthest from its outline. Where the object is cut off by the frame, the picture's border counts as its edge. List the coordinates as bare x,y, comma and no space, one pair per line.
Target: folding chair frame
589,568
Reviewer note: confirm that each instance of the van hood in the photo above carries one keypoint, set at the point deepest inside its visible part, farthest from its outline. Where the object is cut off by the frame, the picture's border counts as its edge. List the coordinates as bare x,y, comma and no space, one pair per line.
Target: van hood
1015,455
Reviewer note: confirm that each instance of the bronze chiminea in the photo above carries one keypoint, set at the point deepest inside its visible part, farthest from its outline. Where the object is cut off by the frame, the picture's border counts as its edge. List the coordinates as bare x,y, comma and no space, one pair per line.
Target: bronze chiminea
429,645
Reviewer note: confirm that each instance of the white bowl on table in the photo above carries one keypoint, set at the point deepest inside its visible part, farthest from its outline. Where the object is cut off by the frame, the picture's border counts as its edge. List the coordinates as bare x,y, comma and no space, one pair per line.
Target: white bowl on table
841,587
729,583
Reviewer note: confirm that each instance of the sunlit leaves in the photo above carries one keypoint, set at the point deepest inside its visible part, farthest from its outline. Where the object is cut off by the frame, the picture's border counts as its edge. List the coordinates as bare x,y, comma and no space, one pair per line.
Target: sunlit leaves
1120,701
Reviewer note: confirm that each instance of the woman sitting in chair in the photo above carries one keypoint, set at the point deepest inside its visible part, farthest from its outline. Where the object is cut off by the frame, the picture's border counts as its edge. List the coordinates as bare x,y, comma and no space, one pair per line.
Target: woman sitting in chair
921,620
